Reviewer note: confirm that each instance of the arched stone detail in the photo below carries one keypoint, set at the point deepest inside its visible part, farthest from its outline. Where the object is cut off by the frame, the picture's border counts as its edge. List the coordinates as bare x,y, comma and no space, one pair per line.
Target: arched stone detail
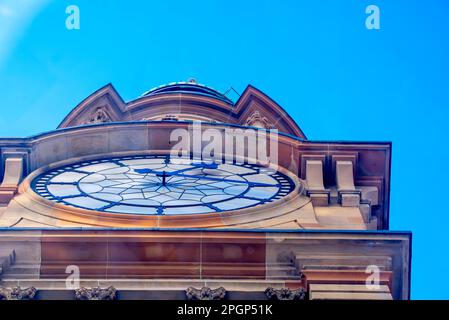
104,105
253,108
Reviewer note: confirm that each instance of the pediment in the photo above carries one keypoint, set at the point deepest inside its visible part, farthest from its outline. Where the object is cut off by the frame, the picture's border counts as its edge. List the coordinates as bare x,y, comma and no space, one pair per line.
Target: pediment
104,105
254,108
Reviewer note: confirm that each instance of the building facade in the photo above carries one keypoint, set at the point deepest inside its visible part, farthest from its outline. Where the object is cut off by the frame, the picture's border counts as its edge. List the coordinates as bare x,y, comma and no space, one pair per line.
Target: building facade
103,208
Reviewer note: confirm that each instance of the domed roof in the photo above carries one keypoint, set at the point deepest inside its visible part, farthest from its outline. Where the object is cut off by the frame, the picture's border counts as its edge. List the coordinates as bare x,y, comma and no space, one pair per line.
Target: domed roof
190,87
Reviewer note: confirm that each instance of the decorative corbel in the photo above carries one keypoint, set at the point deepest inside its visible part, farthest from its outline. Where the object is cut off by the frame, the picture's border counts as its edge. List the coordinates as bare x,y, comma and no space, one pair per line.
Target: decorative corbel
12,175
98,293
205,293
17,293
285,294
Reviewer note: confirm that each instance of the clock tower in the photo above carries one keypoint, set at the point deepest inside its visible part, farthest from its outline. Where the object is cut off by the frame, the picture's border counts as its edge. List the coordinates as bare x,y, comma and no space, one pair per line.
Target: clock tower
184,193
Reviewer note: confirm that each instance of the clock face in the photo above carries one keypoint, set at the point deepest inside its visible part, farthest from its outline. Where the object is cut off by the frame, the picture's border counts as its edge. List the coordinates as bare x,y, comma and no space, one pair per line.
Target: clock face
160,185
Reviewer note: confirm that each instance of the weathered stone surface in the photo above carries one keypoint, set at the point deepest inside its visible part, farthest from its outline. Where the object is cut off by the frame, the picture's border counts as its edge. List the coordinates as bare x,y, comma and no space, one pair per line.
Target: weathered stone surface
349,291
350,199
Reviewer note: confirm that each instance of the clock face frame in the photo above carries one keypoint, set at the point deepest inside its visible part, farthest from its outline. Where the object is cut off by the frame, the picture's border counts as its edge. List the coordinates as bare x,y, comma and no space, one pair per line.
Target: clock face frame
160,185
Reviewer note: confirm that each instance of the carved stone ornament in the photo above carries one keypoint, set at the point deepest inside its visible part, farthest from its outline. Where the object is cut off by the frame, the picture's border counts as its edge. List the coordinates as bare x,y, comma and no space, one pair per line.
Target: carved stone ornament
96,294
259,121
17,293
285,294
170,117
205,293
100,116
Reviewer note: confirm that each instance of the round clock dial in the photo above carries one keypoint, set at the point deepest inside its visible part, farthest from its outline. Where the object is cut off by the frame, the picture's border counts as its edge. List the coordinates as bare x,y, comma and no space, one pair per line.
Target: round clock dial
153,185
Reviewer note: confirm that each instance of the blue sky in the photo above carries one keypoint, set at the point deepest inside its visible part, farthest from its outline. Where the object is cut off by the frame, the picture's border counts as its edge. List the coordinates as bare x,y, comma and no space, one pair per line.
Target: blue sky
338,80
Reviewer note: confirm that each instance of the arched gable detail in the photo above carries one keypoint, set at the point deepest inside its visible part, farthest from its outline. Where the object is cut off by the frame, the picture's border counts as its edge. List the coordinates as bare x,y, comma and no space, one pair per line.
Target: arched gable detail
104,105
253,103
254,108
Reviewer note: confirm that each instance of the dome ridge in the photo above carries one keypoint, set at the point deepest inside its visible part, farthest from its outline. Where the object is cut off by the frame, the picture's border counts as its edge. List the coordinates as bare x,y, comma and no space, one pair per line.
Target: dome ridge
188,87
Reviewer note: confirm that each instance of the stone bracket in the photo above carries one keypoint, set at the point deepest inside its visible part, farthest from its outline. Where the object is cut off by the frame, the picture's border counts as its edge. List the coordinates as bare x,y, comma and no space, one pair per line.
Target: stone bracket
98,293
13,173
205,293
17,293
285,294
